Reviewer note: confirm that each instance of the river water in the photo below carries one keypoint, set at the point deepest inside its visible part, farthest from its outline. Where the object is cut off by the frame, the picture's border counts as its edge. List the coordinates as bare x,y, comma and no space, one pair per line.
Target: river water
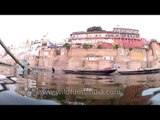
46,88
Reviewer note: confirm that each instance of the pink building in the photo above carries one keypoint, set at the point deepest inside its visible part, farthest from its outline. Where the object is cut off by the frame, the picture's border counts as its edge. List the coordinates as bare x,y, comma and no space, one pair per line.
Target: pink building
125,37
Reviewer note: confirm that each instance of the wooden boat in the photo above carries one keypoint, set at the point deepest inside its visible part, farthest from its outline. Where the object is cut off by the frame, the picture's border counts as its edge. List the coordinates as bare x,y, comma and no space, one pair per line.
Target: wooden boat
142,71
90,72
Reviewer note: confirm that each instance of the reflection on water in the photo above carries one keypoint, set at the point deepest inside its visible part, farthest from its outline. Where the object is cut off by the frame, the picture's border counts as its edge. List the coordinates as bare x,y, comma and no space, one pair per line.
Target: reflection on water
88,89
72,89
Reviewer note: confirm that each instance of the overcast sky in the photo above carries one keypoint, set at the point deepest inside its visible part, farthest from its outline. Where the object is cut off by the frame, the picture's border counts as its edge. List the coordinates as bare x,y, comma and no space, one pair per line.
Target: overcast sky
15,29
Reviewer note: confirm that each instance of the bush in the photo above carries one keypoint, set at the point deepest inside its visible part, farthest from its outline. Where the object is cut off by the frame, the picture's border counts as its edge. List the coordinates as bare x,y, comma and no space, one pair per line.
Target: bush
130,49
67,45
94,28
87,46
99,46
116,46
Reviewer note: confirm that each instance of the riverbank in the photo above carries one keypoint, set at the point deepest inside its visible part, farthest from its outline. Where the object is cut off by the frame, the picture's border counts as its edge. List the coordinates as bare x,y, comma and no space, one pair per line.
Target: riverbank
92,59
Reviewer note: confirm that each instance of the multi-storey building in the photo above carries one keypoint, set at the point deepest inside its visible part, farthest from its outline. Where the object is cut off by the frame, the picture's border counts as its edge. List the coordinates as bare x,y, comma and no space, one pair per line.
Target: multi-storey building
125,37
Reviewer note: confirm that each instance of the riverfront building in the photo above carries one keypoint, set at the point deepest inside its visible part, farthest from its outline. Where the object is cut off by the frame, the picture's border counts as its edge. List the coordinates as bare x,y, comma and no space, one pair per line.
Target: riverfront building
124,37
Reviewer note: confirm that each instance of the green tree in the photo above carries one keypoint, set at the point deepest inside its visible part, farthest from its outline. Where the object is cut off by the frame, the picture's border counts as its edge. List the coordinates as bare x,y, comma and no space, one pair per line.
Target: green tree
87,46
67,46
99,46
116,46
130,49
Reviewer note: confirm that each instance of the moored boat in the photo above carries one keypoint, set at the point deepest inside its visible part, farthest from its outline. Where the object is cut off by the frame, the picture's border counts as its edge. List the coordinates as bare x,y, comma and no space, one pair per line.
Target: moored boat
142,71
90,72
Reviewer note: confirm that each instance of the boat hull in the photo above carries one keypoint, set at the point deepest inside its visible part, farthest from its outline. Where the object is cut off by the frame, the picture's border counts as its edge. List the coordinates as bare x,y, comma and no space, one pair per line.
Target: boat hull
135,72
90,72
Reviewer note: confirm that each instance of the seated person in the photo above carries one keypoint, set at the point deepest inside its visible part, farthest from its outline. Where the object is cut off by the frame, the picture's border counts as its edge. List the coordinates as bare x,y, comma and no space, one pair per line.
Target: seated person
26,64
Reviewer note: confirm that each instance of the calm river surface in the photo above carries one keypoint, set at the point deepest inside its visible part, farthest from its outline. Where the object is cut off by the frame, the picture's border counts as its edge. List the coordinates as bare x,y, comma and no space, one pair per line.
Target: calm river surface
45,88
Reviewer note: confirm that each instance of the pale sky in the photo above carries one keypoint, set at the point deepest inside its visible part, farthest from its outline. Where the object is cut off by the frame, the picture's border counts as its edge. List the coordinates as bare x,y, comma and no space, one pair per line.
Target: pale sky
15,29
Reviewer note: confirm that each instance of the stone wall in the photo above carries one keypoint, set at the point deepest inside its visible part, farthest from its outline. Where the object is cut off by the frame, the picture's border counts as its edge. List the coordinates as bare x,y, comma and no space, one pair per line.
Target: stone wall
80,52
127,59
63,51
123,65
91,65
150,55
137,54
33,60
48,53
155,46
134,64
104,63
47,62
75,63
76,58
154,54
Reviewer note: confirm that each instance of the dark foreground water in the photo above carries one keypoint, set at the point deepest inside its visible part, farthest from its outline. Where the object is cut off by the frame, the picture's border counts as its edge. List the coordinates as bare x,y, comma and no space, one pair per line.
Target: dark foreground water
44,88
